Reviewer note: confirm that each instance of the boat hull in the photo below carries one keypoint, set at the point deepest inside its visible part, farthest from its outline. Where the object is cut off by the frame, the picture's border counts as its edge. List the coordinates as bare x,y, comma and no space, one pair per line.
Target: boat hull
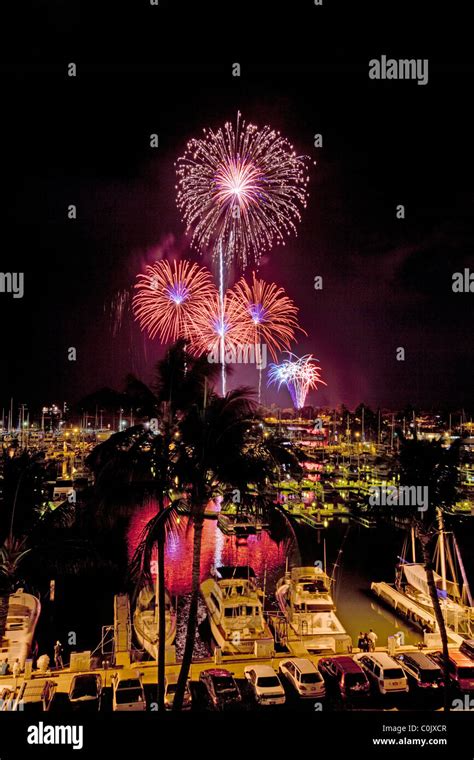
235,641
145,626
23,614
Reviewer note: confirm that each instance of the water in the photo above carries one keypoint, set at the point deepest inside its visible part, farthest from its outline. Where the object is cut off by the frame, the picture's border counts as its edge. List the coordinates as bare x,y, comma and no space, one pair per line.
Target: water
85,603
367,555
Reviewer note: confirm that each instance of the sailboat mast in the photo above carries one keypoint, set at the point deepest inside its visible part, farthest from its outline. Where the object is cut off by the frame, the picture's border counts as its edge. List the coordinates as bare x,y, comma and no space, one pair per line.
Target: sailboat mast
442,549
413,545
466,590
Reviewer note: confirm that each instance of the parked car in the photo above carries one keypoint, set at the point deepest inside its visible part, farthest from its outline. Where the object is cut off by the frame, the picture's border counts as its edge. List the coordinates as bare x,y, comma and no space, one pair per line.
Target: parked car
304,677
7,697
35,696
85,692
461,669
171,682
422,672
467,648
221,688
383,671
127,691
265,684
344,676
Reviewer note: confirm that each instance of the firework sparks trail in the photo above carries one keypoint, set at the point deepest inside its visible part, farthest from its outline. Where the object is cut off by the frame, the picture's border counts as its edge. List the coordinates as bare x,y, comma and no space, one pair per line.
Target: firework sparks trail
169,297
298,374
220,329
239,190
242,189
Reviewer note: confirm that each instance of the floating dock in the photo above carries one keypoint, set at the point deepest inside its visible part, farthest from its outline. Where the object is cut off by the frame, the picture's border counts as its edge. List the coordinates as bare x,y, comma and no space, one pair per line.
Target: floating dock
410,610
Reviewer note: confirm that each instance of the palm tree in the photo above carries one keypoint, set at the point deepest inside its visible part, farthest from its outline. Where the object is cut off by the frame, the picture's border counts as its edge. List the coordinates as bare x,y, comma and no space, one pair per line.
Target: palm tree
12,554
220,450
427,463
140,464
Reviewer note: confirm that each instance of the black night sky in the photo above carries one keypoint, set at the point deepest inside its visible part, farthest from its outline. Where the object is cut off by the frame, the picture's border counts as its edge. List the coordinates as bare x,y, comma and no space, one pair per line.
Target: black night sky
387,282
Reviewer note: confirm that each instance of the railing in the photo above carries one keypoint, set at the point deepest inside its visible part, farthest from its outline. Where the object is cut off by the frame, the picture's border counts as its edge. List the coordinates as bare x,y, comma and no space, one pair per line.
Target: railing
279,625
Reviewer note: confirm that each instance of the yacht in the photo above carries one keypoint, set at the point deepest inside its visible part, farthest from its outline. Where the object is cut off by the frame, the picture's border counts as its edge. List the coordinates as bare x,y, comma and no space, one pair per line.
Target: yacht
145,621
23,613
304,597
235,611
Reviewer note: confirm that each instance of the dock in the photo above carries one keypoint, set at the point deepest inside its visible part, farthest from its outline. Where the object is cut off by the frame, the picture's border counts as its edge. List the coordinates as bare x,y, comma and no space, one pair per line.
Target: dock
410,610
236,664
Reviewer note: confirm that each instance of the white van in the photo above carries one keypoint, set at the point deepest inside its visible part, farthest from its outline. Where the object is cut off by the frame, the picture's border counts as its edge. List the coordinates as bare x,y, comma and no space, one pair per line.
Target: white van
383,671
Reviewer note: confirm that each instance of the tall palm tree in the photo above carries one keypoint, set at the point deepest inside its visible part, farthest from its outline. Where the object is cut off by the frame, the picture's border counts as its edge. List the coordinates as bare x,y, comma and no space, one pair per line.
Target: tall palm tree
427,463
220,450
141,464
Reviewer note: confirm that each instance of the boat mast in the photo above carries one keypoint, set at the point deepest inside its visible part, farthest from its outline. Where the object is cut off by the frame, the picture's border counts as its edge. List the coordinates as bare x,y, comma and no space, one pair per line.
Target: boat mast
413,546
465,590
442,549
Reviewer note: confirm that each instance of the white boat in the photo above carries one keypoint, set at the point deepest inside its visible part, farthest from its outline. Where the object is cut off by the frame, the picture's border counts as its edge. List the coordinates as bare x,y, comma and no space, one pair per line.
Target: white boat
145,621
454,594
304,597
235,611
23,613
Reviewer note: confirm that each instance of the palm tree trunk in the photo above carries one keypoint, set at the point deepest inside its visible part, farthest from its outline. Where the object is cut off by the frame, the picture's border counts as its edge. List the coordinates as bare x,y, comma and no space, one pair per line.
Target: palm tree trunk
425,540
161,622
192,618
4,602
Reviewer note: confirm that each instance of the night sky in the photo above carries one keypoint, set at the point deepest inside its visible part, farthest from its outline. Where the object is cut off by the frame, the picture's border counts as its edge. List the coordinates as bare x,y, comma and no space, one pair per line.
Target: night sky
387,282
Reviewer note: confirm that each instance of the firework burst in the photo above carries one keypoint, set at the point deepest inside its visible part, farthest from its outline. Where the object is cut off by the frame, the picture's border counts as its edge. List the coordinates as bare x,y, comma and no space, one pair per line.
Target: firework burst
169,298
220,327
298,374
270,314
240,190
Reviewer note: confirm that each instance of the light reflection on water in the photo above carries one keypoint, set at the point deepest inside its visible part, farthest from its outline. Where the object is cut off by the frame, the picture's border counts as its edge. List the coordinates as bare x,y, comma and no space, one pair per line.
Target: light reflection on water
367,555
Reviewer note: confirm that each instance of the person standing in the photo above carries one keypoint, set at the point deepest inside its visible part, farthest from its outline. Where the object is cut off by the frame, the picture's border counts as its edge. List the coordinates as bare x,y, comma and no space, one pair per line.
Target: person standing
360,641
16,670
58,655
372,638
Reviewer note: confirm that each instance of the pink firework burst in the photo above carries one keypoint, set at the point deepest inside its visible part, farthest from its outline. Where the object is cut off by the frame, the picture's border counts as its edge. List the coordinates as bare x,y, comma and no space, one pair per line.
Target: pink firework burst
169,297
269,312
240,190
219,328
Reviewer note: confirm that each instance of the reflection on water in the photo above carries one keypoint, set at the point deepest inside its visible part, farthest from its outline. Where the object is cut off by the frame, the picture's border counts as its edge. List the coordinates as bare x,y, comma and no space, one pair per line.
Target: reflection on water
364,556
258,551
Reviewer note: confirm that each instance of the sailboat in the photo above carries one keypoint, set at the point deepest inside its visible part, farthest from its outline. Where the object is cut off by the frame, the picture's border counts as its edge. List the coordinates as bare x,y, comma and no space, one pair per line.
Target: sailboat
145,620
411,585
23,613
454,596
